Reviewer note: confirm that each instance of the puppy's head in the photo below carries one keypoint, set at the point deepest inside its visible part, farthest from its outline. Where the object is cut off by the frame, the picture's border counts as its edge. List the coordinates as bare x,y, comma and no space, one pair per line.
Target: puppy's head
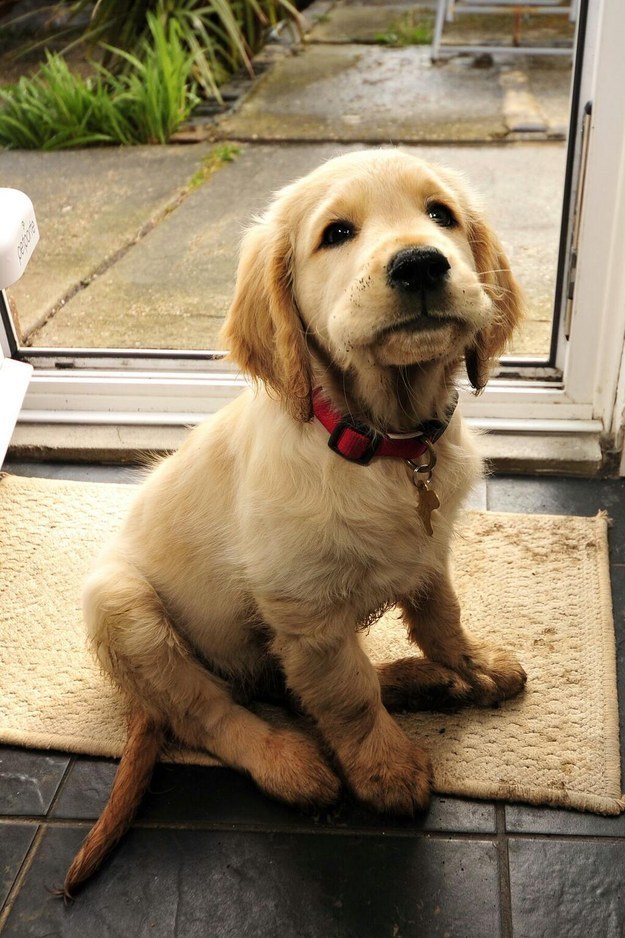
385,261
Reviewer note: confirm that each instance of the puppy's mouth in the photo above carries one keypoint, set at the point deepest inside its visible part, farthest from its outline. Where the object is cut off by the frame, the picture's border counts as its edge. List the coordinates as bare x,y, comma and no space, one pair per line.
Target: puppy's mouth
420,323
420,338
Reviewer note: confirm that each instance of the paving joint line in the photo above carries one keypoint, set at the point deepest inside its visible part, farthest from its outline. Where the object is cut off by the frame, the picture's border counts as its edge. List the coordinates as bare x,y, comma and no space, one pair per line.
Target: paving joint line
150,225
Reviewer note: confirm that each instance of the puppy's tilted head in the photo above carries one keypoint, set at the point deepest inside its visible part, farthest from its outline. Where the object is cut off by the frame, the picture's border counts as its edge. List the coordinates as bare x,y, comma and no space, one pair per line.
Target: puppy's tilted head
385,261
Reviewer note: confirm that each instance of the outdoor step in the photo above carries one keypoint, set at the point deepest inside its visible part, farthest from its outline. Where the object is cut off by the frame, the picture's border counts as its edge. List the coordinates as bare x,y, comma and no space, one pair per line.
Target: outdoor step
370,93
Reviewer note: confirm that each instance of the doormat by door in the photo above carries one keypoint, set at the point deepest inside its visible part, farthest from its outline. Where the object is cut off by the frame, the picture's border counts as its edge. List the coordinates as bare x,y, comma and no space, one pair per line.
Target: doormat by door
536,584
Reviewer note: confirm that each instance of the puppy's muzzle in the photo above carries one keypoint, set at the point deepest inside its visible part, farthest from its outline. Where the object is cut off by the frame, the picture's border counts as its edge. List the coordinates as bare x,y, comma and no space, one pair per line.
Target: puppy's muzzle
417,269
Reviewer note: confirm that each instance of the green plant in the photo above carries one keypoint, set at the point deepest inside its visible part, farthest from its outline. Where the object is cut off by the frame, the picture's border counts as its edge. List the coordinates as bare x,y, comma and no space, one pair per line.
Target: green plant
58,109
221,35
222,153
408,31
154,94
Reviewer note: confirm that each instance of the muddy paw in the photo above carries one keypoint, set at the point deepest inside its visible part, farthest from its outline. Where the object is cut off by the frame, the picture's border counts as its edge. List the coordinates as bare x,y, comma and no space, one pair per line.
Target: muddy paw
402,787
493,674
421,684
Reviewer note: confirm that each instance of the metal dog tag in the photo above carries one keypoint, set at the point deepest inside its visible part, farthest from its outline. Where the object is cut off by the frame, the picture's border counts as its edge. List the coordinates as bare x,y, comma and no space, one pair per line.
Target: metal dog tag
428,502
428,499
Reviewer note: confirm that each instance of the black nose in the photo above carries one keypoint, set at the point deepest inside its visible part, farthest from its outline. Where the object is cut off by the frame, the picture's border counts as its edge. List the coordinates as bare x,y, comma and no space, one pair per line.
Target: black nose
417,269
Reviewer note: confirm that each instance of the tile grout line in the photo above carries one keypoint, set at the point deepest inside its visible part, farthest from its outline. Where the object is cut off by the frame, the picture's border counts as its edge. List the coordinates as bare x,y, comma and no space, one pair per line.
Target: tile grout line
24,870
505,895
251,827
62,782
233,827
33,850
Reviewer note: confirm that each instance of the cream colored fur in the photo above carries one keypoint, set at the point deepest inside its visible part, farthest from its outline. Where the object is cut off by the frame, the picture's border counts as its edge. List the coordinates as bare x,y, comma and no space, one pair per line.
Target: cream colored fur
255,551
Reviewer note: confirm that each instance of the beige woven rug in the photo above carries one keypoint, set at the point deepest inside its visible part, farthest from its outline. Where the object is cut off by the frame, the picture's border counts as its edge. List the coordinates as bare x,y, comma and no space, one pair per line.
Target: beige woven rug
537,584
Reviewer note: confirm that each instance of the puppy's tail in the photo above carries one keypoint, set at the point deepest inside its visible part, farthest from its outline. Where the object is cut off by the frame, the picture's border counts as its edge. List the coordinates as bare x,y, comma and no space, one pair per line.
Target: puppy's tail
144,742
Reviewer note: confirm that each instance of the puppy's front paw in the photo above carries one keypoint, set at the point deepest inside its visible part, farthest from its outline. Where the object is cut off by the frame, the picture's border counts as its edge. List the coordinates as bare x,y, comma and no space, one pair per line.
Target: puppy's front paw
402,787
391,775
493,674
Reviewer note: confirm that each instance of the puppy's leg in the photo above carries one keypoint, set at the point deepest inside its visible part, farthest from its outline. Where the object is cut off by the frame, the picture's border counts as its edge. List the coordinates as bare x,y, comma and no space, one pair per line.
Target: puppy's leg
420,684
338,686
136,643
433,621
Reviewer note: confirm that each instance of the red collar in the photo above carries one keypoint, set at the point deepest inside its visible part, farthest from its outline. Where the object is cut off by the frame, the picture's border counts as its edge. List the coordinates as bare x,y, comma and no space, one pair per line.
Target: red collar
359,443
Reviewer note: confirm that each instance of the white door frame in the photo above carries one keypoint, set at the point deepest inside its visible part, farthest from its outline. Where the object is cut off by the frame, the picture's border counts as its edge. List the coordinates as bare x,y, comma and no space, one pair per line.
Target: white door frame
14,380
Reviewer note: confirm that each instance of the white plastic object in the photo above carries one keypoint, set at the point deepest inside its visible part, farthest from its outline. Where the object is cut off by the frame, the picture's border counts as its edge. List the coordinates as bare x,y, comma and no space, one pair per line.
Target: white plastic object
19,235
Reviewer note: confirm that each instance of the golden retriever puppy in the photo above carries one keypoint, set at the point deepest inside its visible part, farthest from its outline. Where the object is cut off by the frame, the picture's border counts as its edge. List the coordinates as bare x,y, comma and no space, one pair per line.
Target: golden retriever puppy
253,556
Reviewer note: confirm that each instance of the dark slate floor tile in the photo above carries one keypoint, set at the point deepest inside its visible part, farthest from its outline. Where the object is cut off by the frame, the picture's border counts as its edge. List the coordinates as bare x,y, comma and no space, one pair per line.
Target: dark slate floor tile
617,576
211,795
76,472
29,780
524,819
446,814
15,839
573,889
459,814
178,794
86,789
233,884
184,794
558,496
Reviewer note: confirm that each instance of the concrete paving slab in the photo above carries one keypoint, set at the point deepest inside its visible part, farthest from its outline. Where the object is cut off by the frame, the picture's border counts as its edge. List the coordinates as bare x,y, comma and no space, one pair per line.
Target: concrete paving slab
368,24
370,93
89,204
172,289
369,4
391,22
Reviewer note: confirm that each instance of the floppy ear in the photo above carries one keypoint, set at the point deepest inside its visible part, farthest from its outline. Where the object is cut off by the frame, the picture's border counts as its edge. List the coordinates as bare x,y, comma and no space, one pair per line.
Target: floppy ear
262,331
498,281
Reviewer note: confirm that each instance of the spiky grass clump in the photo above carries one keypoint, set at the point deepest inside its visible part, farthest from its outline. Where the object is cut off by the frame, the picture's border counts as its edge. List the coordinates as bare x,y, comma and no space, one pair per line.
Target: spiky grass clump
57,108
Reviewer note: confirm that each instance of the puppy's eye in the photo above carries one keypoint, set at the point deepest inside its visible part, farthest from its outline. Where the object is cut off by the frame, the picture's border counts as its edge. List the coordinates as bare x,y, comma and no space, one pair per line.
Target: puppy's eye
337,233
441,215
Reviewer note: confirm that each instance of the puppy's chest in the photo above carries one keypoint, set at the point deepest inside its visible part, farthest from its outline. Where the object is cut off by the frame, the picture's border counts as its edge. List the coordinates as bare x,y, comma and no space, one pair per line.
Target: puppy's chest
384,540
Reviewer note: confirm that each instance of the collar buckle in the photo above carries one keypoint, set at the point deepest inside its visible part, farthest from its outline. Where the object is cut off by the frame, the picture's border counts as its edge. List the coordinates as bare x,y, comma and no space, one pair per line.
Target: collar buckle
348,438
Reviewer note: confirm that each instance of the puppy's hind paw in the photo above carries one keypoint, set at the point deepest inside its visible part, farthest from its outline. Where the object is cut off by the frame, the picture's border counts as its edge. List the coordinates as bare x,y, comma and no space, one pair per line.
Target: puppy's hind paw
419,684
296,772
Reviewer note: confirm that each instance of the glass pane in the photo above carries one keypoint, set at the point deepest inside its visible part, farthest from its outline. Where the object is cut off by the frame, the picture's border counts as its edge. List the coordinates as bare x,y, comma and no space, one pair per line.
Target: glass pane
139,245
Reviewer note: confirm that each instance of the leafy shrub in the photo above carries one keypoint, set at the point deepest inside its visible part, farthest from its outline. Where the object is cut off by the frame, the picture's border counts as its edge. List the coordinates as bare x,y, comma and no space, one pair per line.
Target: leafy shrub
155,93
144,104
220,35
